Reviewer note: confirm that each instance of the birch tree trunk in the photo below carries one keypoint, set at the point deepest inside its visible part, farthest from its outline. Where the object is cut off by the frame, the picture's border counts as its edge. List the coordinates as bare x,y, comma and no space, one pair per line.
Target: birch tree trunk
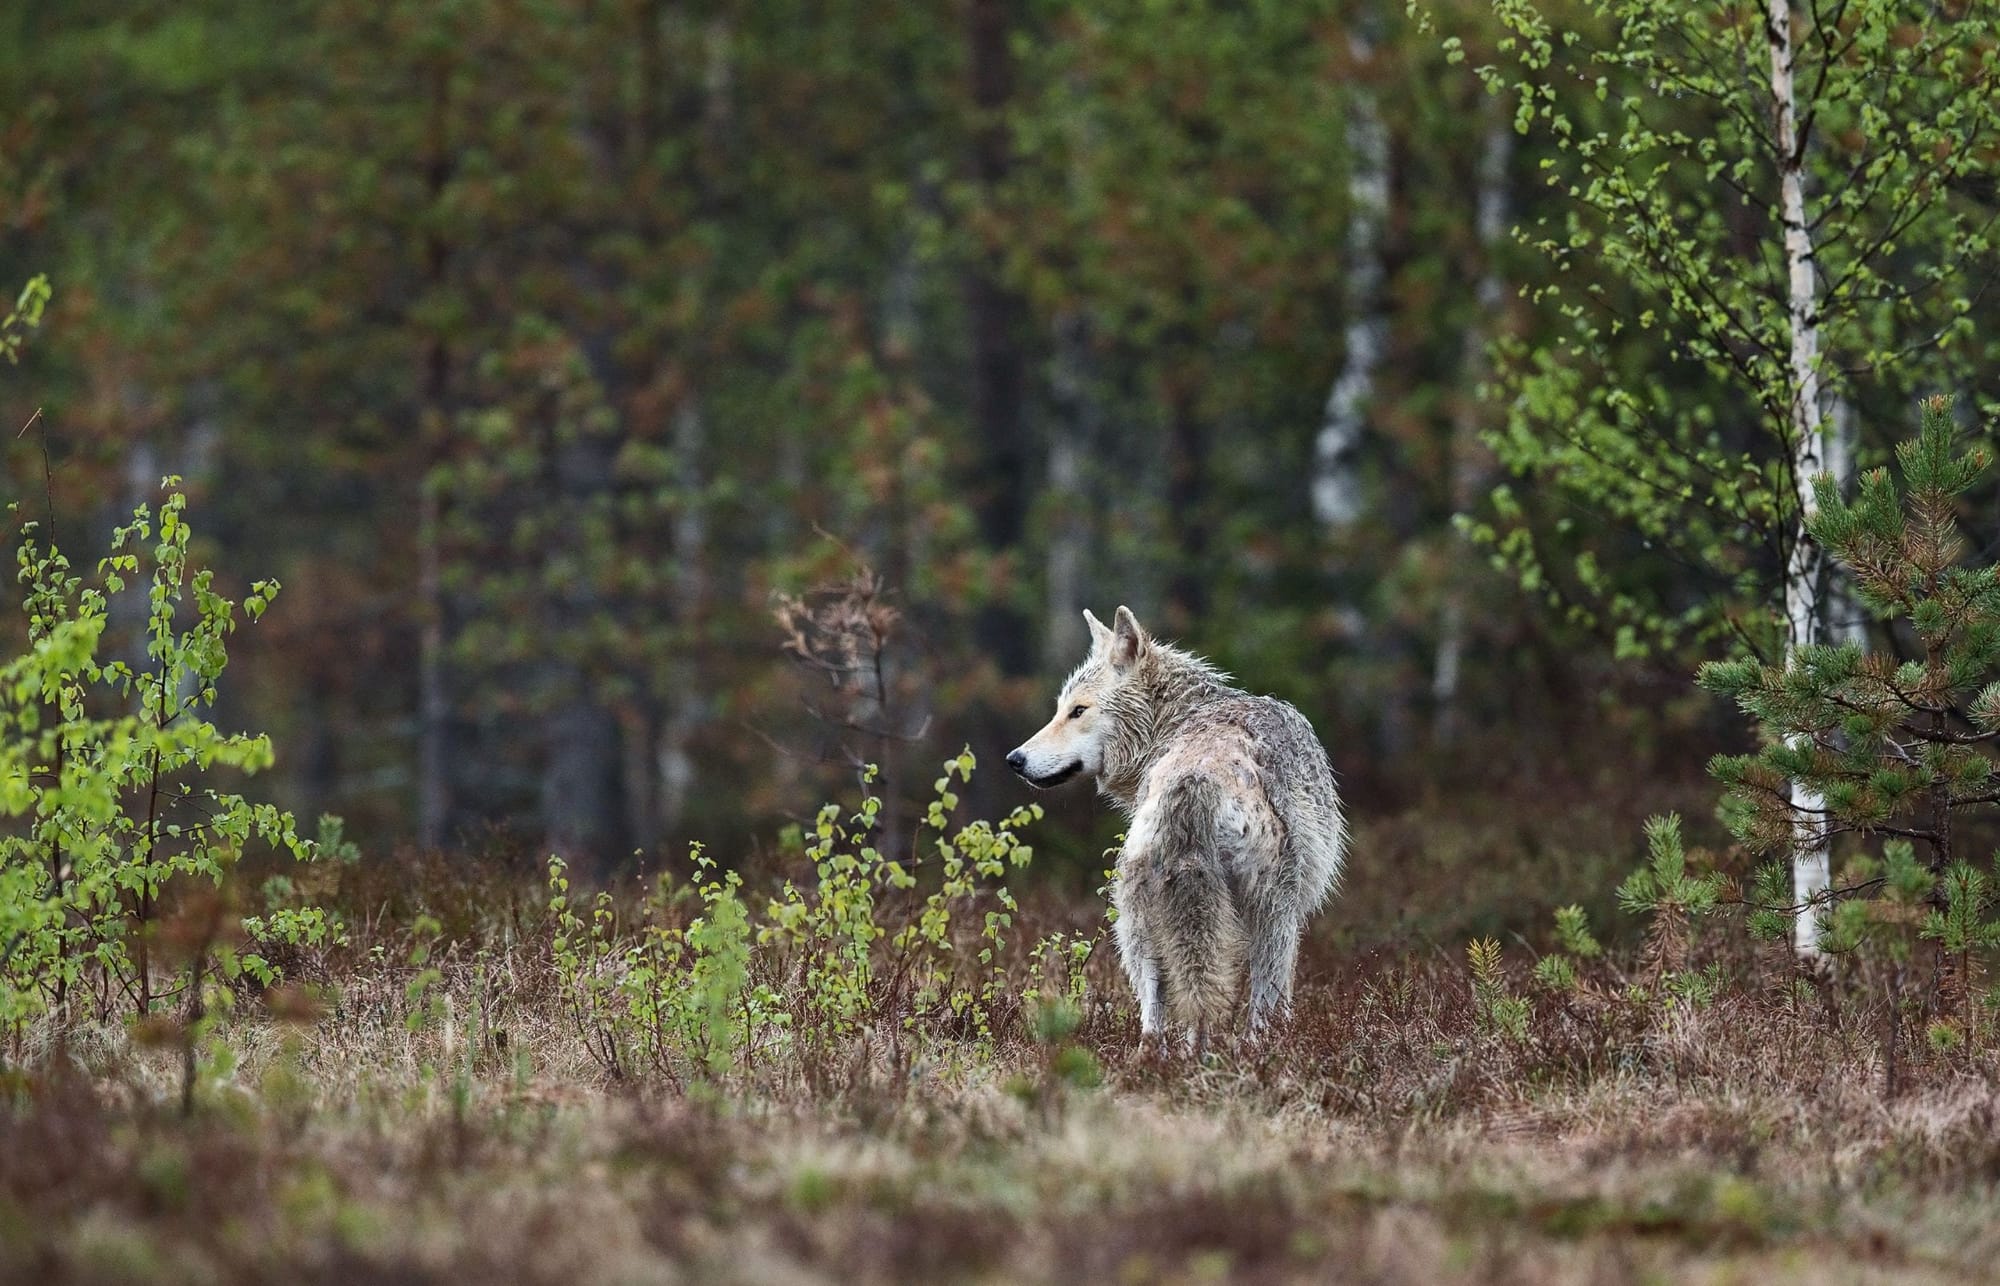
1846,622
1336,488
687,708
1805,610
1471,471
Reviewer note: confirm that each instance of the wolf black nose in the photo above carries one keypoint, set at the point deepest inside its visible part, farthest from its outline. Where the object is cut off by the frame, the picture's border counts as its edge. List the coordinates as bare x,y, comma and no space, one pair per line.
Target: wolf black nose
1017,760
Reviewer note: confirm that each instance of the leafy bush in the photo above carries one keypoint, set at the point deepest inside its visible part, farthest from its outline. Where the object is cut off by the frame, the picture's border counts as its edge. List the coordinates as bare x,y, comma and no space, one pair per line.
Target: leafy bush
850,954
26,315
114,826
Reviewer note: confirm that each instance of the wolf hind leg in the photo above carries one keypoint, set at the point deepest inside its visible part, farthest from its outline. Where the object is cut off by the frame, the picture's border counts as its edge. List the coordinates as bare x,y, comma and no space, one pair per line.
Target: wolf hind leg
1174,881
1274,954
1200,942
1142,968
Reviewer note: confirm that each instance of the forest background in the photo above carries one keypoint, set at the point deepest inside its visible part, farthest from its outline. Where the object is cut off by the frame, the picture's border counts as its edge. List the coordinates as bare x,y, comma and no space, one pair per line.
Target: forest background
656,411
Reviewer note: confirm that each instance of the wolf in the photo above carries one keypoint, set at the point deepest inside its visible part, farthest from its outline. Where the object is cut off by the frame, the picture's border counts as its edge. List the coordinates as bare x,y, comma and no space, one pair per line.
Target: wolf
1235,836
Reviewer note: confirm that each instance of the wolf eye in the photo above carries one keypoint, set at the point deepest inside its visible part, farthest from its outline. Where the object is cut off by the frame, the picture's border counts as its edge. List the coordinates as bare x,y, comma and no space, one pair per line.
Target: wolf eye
1077,712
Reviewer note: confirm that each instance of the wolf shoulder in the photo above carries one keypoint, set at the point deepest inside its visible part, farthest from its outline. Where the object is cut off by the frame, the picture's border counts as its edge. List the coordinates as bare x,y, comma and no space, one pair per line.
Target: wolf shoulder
1264,735
1271,731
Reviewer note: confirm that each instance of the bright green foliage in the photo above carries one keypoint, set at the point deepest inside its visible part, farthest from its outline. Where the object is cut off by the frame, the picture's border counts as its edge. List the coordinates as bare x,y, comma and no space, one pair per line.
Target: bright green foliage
828,932
1558,970
720,943
1663,886
25,316
847,950
977,852
1573,931
584,956
104,766
1883,923
1961,924
832,930
1674,898
1664,400
1500,1012
673,996
1964,927
1059,965
1893,746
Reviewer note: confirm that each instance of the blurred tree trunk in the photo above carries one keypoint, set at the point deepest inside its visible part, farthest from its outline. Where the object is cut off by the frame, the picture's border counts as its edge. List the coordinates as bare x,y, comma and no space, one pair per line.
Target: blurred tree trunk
433,381
598,796
686,706
1073,442
639,775
580,807
1187,504
1336,482
996,315
1471,463
581,812
433,693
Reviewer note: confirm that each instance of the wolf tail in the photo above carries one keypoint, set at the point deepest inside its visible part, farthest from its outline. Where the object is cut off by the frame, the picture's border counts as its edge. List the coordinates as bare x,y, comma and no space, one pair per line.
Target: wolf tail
1181,890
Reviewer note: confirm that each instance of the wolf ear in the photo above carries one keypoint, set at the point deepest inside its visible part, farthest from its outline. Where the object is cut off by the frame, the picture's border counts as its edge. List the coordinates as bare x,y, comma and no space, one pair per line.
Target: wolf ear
1128,640
1100,634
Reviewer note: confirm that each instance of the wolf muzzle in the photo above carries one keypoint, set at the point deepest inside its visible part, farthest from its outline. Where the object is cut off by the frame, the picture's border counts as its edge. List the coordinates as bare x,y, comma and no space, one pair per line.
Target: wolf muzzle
1018,761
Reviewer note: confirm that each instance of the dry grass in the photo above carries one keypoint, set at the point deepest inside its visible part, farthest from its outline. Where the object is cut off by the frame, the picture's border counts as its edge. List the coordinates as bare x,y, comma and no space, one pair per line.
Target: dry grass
1386,1137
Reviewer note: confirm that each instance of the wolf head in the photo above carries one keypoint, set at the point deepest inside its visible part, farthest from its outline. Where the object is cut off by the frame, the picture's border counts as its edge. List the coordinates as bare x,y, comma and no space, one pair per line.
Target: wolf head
1099,715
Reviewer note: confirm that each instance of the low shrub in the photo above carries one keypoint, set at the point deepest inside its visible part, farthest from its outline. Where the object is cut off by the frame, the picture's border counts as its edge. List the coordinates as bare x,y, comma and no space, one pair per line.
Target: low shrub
118,863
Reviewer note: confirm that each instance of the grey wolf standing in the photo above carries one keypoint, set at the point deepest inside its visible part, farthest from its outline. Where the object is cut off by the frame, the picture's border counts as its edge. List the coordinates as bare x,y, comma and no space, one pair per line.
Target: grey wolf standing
1236,834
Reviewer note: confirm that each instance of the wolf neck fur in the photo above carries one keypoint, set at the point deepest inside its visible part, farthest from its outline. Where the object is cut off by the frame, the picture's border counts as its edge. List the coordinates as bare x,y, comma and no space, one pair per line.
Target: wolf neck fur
1149,708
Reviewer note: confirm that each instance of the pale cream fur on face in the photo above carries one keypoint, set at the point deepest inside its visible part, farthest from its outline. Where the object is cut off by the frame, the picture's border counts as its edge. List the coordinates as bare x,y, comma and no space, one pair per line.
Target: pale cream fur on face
1072,743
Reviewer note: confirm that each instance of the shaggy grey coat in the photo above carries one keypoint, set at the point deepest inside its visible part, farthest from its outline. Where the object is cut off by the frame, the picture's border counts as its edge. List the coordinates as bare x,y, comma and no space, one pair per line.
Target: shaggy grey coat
1236,833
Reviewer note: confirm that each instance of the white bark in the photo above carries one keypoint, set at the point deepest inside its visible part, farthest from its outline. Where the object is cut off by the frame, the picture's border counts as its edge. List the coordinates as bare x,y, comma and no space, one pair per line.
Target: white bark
1805,613
1845,619
1470,470
1336,486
